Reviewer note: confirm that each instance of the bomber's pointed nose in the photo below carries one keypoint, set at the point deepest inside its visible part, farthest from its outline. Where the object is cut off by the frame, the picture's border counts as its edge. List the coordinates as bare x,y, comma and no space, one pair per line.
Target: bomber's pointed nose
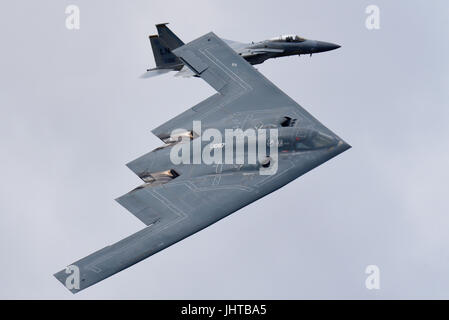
344,145
322,46
340,147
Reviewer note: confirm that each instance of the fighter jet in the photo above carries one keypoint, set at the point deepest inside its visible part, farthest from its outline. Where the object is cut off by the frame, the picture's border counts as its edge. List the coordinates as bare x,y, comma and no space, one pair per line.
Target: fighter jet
255,53
180,198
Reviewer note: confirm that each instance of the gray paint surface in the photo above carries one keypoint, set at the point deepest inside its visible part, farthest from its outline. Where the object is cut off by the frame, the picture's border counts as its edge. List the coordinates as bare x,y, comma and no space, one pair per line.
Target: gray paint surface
73,112
174,208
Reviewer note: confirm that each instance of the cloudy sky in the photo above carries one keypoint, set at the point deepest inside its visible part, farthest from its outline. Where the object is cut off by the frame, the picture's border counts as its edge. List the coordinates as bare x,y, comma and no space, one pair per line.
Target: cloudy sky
73,112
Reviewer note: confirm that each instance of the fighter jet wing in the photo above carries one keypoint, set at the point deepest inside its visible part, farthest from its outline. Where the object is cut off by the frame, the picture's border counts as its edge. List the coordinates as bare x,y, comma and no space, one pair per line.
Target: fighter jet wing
175,206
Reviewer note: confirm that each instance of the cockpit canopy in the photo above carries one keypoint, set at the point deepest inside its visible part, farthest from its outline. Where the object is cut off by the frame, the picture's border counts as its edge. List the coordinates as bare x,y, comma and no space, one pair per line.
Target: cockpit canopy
288,38
303,139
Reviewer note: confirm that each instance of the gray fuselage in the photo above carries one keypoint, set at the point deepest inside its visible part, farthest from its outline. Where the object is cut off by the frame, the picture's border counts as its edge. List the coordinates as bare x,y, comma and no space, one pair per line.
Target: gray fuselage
256,53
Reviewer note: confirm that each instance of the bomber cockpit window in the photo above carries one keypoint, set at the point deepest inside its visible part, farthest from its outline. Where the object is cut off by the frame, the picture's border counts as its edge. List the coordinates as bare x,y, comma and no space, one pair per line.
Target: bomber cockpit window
315,140
287,122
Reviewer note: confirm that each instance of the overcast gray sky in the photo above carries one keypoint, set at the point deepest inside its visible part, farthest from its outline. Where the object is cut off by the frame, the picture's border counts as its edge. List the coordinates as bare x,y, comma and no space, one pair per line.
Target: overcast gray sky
73,112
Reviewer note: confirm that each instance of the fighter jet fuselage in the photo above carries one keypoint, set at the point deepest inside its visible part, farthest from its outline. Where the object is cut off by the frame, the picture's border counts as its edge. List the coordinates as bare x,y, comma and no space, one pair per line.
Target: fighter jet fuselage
255,53
283,46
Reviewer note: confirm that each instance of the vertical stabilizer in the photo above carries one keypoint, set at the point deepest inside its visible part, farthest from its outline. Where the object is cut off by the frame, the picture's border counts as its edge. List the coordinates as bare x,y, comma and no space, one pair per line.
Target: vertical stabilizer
168,37
163,56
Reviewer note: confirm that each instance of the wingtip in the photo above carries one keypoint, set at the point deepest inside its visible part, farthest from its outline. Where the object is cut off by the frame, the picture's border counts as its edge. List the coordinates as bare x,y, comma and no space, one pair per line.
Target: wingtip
61,277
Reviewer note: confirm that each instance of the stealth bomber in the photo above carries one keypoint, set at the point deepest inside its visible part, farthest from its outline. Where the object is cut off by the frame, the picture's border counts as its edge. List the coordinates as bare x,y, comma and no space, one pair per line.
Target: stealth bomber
184,191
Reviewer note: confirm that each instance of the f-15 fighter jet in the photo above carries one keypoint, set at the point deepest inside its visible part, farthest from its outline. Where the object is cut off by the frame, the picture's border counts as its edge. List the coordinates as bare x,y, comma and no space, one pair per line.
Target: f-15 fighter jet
182,195
255,53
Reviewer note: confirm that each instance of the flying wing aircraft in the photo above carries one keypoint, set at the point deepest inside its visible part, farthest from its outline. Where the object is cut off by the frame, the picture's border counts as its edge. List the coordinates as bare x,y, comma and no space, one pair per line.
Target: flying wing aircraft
177,200
255,53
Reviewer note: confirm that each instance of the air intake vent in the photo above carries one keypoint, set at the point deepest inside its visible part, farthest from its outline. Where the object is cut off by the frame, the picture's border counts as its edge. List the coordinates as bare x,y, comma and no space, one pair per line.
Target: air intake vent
288,122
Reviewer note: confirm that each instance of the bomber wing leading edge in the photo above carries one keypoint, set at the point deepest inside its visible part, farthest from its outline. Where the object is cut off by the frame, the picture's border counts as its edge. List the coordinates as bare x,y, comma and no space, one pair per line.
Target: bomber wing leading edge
178,200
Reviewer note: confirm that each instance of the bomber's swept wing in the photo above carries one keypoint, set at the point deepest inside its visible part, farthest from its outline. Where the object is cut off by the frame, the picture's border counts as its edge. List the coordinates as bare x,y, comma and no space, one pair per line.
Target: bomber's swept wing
175,204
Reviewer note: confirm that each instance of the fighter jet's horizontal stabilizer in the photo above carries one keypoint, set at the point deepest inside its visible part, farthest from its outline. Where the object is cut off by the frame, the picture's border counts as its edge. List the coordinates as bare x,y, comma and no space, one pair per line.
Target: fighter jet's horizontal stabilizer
154,72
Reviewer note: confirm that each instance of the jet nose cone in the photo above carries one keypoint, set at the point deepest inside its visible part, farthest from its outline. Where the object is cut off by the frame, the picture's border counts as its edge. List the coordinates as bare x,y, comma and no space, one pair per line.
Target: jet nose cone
326,46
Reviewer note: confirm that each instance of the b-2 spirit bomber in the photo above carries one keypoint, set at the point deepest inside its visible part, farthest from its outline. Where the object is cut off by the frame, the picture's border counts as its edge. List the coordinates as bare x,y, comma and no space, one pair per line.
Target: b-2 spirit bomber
180,198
